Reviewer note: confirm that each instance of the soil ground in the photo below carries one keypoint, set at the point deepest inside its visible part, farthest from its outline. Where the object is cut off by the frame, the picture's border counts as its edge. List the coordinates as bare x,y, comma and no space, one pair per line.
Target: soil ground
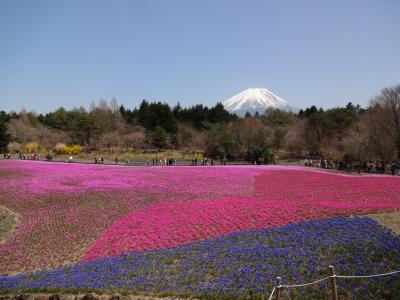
9,222
390,220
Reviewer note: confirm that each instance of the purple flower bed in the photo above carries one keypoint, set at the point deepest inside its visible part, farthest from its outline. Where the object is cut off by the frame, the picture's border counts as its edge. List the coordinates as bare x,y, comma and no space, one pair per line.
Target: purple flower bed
244,263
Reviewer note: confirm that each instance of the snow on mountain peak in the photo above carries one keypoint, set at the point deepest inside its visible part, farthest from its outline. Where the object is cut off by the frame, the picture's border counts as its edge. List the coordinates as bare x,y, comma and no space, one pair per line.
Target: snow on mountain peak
255,99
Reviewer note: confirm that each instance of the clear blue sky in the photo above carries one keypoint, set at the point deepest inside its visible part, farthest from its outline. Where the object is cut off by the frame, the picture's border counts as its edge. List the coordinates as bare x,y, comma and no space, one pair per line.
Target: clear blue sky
70,53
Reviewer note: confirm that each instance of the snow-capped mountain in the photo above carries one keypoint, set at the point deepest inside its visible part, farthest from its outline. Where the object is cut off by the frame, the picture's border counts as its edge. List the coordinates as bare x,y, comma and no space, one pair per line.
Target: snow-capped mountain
255,99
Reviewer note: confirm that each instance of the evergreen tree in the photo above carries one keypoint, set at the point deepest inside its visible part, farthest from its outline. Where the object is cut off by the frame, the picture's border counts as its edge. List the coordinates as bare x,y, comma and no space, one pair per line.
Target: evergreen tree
177,111
143,114
4,136
58,119
4,117
157,114
219,114
85,129
159,138
122,111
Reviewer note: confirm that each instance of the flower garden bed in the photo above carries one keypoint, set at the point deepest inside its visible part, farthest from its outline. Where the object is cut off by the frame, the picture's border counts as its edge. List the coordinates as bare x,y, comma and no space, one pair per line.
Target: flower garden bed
194,231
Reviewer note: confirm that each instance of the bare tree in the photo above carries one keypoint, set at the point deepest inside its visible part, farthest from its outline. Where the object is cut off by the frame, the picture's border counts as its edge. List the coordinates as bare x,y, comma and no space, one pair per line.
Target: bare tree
295,138
23,132
385,109
110,140
356,143
117,120
249,132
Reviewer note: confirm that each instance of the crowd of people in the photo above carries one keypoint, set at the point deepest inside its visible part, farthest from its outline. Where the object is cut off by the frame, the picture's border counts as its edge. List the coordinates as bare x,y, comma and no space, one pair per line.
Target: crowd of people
259,160
369,166
31,156
98,160
395,168
377,167
325,163
160,162
205,162
308,162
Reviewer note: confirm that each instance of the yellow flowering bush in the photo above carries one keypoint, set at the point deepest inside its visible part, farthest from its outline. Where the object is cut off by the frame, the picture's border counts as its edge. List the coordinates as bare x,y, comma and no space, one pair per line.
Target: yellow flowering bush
32,147
70,150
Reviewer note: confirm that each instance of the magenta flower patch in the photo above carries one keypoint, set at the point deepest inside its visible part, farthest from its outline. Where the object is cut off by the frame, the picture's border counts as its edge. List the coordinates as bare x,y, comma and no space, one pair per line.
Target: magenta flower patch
311,195
76,212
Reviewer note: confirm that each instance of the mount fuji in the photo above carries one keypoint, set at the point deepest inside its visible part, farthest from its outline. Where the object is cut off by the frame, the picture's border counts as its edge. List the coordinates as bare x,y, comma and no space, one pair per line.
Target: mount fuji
255,100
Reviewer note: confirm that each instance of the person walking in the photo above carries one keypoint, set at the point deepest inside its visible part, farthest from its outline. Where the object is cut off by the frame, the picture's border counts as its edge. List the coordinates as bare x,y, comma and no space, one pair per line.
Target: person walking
393,168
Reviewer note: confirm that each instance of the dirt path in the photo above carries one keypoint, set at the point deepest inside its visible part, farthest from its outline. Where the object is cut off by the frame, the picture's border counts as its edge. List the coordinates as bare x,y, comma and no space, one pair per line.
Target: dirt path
9,222
390,220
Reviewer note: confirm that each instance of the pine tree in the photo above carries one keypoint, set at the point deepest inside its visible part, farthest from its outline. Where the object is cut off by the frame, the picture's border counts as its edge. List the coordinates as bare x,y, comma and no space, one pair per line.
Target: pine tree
159,137
4,136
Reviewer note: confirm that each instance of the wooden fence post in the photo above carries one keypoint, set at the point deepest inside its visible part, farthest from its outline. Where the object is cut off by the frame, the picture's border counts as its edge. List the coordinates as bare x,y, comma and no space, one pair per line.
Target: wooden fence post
333,281
278,288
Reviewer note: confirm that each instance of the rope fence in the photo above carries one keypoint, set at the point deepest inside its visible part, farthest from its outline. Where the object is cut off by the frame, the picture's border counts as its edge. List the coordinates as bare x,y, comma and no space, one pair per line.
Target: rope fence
304,284
278,286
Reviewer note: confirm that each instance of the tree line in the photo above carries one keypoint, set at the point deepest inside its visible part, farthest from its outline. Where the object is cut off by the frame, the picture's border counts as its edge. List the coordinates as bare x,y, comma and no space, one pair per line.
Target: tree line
348,133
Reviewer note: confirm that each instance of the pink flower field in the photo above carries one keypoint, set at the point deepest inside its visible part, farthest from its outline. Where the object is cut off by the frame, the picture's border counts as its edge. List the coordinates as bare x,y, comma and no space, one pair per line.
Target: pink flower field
75,212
